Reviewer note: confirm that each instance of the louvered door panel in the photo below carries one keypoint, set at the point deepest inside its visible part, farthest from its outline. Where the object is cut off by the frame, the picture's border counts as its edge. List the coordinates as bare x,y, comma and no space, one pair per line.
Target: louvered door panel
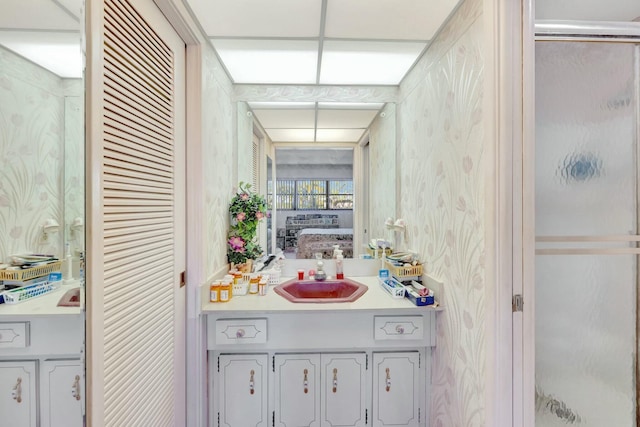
138,203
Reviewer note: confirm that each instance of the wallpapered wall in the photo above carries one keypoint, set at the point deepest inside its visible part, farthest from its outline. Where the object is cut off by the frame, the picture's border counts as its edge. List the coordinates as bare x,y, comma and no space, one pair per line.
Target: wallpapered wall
218,138
32,121
382,171
442,200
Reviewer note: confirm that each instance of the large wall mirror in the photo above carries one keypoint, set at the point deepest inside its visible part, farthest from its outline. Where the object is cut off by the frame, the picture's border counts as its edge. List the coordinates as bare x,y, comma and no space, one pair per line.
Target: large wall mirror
335,174
42,207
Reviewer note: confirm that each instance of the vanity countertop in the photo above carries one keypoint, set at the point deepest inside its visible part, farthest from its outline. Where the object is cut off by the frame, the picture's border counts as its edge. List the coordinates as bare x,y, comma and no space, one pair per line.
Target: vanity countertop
375,299
44,305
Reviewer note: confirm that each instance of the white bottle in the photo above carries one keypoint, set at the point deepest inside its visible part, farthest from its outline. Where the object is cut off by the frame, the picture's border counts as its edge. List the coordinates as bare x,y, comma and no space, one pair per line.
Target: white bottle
68,266
339,265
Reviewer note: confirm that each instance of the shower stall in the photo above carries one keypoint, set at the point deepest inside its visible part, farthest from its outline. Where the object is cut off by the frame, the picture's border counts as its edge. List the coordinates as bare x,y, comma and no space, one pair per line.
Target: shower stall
587,218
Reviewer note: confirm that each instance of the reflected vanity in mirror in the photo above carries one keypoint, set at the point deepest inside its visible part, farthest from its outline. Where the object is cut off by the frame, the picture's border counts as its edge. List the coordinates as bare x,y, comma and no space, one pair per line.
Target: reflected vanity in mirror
42,212
335,169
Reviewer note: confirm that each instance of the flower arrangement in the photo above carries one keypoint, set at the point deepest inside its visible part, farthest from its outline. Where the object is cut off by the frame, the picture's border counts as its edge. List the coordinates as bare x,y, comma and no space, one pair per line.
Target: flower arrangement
246,209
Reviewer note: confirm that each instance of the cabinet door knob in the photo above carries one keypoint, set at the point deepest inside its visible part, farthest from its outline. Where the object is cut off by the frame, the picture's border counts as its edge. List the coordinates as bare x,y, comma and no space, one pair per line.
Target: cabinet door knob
335,380
75,388
305,382
388,380
240,333
251,382
400,329
16,392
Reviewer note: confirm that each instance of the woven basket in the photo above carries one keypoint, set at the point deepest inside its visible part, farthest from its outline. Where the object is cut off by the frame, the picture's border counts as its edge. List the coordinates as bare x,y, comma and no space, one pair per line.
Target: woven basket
400,272
30,273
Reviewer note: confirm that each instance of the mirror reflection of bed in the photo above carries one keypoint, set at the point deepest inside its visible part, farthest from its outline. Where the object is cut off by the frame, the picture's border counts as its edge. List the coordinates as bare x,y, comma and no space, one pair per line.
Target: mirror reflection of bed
312,241
314,201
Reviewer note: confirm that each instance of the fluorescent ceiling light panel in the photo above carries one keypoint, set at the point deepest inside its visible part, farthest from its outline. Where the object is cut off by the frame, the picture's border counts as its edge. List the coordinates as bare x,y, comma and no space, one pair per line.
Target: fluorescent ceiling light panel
259,18
351,105
367,63
290,135
264,105
269,61
386,19
339,135
36,15
57,52
334,119
286,119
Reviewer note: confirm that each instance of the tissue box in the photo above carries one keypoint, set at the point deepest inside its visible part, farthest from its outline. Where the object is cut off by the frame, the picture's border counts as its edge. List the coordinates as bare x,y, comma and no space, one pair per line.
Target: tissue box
416,299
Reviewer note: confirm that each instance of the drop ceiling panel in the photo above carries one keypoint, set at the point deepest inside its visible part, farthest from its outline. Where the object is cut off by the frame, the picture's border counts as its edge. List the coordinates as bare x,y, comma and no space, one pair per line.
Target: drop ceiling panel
269,61
366,62
286,119
259,18
256,105
291,135
35,14
73,6
339,135
588,10
334,119
385,19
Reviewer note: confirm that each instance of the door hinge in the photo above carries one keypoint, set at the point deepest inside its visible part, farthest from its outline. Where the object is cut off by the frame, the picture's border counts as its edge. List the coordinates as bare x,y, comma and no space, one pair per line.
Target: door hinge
273,365
517,303
366,416
218,419
419,415
218,363
273,418
183,279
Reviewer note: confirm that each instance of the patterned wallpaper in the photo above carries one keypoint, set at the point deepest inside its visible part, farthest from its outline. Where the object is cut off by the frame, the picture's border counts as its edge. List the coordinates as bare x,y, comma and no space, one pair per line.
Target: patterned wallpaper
382,171
442,199
32,120
218,138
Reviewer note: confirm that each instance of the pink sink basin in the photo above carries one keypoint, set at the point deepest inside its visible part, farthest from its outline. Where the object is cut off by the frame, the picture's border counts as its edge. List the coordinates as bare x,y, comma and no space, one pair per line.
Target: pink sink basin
343,290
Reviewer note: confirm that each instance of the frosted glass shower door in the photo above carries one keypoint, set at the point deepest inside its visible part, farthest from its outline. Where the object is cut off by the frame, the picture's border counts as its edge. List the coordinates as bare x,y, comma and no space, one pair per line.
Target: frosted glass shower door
586,233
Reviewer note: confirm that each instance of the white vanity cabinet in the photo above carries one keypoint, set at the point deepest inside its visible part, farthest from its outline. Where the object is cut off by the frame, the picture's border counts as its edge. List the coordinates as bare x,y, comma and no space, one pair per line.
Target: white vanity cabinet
18,398
61,393
243,390
360,364
320,390
41,375
396,386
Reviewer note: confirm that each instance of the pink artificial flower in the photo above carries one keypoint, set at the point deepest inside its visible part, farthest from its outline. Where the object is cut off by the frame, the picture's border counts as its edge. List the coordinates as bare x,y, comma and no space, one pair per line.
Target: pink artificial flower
244,196
237,243
241,216
259,215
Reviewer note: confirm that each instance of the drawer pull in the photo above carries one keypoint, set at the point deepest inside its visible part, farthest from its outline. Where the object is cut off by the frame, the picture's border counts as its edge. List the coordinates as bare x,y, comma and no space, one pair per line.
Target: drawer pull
240,333
400,329
16,393
251,382
305,382
335,380
75,388
388,380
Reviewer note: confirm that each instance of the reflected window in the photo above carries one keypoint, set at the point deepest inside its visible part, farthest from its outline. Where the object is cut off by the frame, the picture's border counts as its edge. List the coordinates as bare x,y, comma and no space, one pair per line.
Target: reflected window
312,194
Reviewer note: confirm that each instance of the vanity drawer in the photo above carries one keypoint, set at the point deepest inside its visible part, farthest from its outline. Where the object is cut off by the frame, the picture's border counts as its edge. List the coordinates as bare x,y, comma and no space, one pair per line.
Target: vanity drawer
241,331
398,328
14,334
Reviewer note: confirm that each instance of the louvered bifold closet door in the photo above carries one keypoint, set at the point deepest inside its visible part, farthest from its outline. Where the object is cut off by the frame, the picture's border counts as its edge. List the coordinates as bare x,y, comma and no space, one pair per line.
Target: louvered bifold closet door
138,196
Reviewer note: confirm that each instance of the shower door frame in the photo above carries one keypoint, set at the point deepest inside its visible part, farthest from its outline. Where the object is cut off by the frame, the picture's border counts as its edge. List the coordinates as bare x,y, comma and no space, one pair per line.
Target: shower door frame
550,31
